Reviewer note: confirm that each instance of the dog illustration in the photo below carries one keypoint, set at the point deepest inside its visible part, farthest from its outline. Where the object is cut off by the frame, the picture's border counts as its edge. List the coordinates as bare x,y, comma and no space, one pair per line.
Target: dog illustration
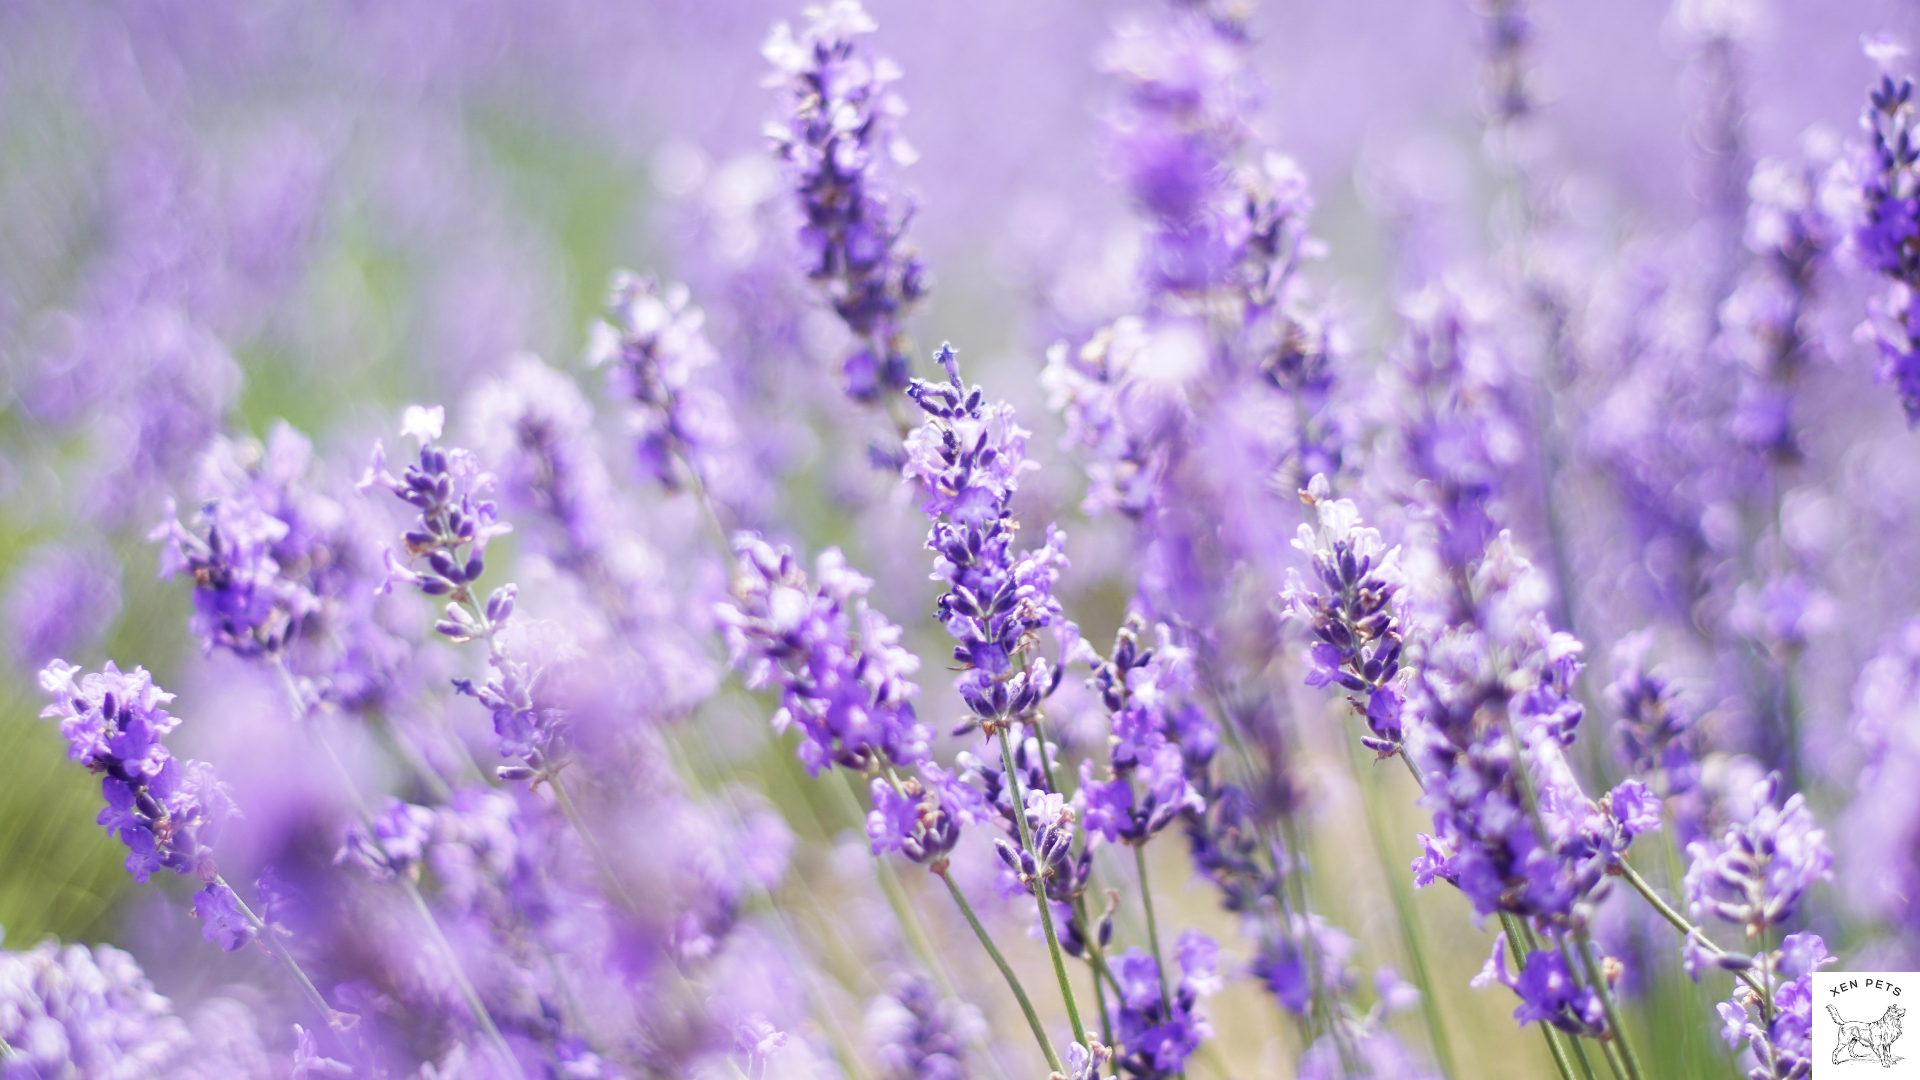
1860,1041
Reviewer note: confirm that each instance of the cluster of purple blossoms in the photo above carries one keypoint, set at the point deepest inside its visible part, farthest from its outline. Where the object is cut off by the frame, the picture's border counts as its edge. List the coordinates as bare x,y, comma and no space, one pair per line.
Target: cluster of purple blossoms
165,810
1308,958
1495,715
72,1010
1174,140
839,140
1756,874
1888,237
968,458
1770,310
917,1033
1885,814
281,570
1780,1043
242,601
1159,742
527,659
843,677
1548,989
1156,1023
1660,740
654,348
1356,637
1050,864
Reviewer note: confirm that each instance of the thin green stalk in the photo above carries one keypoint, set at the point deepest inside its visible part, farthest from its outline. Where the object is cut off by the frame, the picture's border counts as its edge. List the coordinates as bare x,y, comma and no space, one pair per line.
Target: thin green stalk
1514,943
1097,960
599,855
1679,921
279,949
1409,919
896,894
1153,928
1584,943
471,996
999,961
1580,1054
1039,886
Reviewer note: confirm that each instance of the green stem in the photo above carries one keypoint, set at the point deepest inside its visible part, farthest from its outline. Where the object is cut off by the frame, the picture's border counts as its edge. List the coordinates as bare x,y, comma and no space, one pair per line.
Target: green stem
1679,921
599,855
896,894
1516,942
1153,928
1606,1002
999,961
279,950
1097,960
1409,918
1039,885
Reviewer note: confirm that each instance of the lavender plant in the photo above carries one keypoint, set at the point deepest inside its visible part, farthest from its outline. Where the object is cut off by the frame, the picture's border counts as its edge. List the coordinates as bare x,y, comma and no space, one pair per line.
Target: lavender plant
590,738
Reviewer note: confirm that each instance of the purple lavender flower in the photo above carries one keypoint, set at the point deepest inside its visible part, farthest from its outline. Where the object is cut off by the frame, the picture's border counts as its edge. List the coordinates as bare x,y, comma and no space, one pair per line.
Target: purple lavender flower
1758,871
1358,639
455,523
655,349
916,1033
225,924
74,1010
1658,737
241,600
1548,991
1886,237
843,677
162,808
1885,814
1531,846
283,571
60,602
395,845
920,821
1782,1042
838,139
531,427
1183,121
1156,1025
1306,955
967,459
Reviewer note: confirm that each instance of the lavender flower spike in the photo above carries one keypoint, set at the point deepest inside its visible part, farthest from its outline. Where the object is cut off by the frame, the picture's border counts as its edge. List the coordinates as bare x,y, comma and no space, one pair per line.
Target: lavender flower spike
164,809
842,674
1357,636
838,140
968,458
1887,239
1759,870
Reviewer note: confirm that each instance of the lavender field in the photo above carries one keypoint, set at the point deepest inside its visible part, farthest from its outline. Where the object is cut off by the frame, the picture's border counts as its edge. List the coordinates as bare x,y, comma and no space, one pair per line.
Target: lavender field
1149,538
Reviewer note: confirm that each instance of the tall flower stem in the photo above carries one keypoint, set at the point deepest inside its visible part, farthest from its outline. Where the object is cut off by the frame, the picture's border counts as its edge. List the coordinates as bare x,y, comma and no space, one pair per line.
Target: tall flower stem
1039,886
1596,980
999,961
1410,931
1680,922
468,993
1584,946
1096,952
1511,925
279,950
1153,927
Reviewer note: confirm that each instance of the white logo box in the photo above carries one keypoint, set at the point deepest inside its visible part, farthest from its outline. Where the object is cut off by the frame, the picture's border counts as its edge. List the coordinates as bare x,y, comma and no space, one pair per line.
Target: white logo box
1864,1025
